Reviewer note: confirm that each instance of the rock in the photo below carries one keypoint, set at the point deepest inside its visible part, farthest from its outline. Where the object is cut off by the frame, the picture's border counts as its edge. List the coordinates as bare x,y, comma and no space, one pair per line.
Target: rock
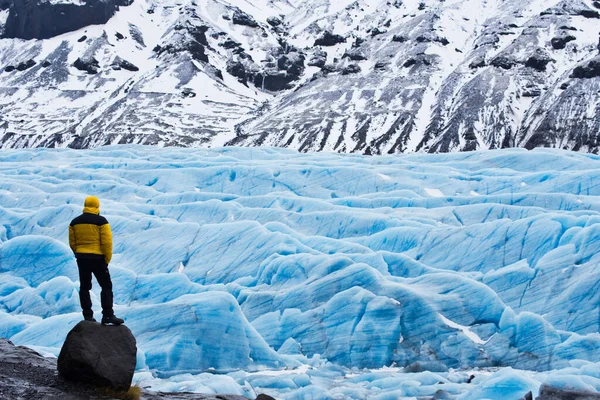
355,55
318,59
351,69
120,63
99,355
539,60
45,19
46,64
263,396
376,31
136,35
237,69
230,44
561,42
273,81
588,71
528,396
90,66
274,21
409,63
25,65
503,62
477,63
241,18
552,393
596,4
420,366
329,39
292,63
82,39
590,14
399,38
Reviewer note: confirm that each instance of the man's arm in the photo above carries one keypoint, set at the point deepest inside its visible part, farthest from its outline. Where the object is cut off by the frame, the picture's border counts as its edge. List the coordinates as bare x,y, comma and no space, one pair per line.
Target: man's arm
106,242
72,240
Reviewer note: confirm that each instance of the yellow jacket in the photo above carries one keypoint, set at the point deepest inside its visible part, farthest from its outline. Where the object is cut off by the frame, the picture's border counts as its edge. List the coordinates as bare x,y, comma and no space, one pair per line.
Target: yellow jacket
89,234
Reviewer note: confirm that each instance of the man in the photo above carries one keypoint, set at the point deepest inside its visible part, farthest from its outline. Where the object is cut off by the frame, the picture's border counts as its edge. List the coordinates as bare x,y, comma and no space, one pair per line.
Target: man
90,239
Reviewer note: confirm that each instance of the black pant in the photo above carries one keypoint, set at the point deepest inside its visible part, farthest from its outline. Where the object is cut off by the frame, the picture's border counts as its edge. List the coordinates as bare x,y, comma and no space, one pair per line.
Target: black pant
98,267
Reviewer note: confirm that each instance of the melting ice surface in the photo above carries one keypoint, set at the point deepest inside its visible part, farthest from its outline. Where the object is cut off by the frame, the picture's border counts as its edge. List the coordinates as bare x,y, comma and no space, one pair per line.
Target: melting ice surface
319,275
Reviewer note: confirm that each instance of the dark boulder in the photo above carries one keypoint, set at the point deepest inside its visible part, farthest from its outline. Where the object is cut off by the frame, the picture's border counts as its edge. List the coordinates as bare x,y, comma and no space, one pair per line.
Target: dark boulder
274,21
89,65
596,4
241,18
588,71
99,355
410,62
376,31
592,14
237,69
553,393
9,68
82,39
318,59
25,65
273,81
503,62
478,62
351,69
263,396
292,63
230,44
561,42
120,63
355,55
399,38
329,39
42,20
539,61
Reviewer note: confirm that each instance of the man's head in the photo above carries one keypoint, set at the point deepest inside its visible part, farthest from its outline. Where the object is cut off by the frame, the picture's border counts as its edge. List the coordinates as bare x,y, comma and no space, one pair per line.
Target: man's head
91,205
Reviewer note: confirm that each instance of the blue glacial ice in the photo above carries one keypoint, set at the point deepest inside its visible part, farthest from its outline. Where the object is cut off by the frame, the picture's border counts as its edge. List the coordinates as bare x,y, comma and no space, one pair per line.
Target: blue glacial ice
294,272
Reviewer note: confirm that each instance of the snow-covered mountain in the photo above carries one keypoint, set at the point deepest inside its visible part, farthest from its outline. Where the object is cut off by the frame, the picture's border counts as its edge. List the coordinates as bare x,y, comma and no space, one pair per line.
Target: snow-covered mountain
363,76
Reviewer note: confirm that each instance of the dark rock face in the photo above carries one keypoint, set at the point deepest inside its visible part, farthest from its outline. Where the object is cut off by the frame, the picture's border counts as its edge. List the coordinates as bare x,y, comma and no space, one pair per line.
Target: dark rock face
120,63
99,355
25,65
241,18
351,69
588,71
561,42
191,39
43,20
90,65
539,61
552,393
329,39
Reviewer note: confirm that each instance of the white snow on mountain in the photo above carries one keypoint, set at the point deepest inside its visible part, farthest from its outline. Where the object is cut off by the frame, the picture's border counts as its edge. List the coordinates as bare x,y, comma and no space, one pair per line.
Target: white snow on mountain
335,75
303,275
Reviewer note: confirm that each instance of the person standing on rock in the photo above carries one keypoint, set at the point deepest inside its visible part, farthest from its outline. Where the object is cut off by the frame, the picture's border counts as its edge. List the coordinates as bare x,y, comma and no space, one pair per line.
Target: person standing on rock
90,239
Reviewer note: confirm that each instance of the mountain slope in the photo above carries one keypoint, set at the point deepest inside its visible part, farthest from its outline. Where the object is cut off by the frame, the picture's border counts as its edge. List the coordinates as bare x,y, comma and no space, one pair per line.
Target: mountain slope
345,76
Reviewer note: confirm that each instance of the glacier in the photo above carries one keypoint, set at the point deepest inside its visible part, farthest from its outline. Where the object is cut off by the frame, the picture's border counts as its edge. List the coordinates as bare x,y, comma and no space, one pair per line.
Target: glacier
319,275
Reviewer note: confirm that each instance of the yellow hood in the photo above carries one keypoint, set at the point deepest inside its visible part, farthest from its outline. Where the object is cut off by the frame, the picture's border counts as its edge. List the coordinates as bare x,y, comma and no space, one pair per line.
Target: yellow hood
91,205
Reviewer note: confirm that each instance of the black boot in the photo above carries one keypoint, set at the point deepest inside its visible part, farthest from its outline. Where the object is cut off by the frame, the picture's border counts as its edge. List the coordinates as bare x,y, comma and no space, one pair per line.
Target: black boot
111,319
